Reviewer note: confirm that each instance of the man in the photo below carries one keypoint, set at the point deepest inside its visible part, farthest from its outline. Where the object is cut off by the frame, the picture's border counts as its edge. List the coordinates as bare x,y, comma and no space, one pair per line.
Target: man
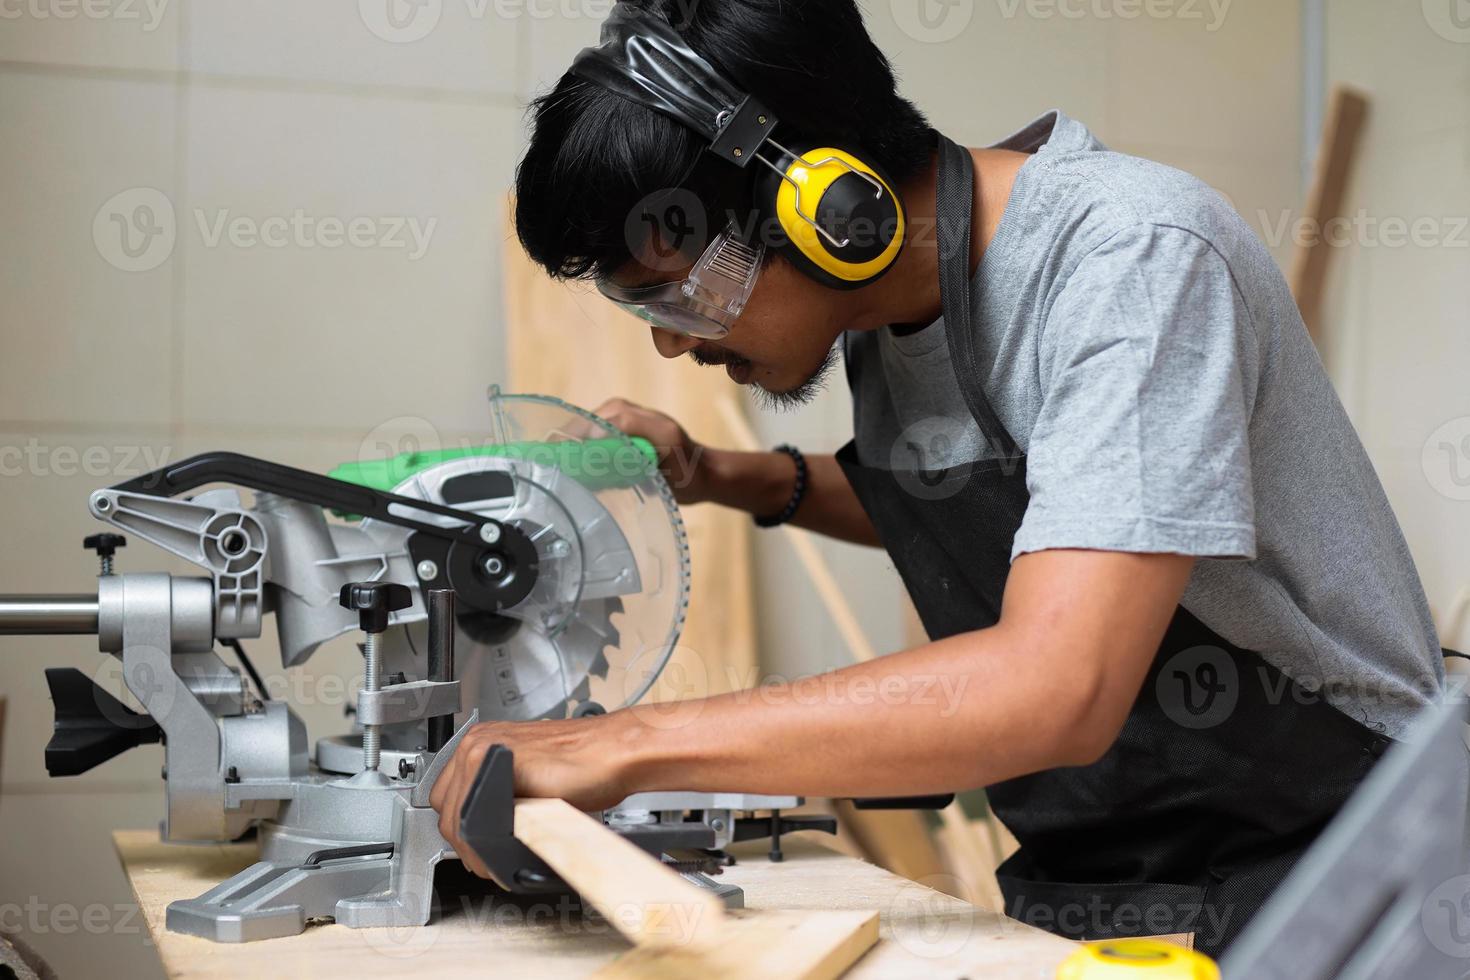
1091,432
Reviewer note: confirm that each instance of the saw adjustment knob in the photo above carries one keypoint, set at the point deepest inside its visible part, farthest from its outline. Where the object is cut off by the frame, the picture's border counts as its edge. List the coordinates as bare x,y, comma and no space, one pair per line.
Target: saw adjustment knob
106,545
374,601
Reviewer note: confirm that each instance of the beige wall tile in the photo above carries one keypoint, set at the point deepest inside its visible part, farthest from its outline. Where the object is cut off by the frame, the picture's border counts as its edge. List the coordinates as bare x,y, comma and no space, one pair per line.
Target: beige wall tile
85,326
1224,77
553,41
1409,56
283,330
465,45
981,70
64,887
107,34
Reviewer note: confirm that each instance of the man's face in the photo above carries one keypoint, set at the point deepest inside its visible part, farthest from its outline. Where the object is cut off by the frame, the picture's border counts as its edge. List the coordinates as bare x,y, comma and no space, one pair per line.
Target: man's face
782,341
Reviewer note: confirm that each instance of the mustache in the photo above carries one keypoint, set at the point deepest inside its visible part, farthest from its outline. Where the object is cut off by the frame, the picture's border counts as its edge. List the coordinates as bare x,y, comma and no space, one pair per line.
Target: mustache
714,357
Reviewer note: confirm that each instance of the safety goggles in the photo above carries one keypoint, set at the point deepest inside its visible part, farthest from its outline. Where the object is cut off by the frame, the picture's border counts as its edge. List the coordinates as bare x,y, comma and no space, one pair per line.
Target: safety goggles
705,303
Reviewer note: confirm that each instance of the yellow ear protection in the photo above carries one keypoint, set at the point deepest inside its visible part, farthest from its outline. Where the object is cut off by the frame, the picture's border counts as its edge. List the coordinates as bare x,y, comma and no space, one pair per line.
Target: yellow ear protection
830,213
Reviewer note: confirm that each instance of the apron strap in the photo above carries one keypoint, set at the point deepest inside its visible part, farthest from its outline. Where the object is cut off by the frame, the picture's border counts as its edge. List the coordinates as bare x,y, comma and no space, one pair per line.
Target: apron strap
954,208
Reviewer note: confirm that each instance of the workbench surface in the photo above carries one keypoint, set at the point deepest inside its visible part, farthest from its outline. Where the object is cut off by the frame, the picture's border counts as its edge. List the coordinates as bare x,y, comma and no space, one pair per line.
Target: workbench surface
924,933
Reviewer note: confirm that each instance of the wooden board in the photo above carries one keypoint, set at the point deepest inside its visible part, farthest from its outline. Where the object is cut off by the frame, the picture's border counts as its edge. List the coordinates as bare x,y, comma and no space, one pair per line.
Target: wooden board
790,945
681,930
564,339
646,902
1346,111
923,933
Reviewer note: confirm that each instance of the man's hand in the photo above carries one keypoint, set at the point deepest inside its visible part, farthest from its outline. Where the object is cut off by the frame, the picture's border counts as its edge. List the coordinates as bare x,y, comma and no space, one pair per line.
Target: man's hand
757,483
680,458
578,761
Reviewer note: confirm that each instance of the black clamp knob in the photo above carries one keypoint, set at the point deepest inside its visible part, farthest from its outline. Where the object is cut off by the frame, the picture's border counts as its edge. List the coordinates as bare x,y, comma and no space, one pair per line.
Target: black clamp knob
374,601
105,544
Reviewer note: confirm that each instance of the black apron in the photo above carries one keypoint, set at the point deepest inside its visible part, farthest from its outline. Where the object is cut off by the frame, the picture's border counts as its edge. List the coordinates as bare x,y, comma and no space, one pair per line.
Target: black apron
1224,771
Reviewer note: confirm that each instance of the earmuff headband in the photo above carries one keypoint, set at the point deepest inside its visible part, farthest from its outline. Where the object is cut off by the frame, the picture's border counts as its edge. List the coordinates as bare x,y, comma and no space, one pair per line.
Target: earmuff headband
644,60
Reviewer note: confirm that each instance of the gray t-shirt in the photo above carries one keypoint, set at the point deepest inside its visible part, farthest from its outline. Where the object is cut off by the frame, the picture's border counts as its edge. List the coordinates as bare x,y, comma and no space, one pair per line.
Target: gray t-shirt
1139,343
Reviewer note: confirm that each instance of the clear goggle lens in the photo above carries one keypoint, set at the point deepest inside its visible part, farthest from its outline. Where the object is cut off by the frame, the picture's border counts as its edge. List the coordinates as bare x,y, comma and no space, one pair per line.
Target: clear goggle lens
708,301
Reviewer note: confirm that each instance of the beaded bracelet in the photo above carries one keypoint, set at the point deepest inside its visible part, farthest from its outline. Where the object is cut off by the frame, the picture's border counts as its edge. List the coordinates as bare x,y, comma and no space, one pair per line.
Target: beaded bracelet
796,494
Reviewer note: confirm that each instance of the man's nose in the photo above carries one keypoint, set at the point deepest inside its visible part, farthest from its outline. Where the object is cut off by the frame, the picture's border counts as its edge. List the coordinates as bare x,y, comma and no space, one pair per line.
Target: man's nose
672,344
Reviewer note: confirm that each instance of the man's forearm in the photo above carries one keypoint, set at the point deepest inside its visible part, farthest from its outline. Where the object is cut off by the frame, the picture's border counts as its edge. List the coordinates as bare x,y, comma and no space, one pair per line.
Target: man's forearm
762,483
963,712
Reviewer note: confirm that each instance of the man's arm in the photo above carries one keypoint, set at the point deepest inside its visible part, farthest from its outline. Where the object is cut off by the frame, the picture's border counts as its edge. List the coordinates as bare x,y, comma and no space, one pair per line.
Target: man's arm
762,483
1049,685
757,483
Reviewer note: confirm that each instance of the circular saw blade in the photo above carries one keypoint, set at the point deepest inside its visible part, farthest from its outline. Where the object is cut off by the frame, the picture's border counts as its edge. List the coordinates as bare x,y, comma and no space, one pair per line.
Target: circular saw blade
608,604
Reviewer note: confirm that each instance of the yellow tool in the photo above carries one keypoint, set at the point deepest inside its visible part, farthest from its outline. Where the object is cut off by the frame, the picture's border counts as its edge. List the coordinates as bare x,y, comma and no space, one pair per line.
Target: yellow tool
1137,959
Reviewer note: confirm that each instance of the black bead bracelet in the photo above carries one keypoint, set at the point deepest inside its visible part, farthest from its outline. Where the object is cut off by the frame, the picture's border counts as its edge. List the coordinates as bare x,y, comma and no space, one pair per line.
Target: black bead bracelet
797,493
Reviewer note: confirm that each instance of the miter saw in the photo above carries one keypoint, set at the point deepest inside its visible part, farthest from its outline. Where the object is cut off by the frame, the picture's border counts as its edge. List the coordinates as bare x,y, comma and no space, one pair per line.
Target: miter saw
542,575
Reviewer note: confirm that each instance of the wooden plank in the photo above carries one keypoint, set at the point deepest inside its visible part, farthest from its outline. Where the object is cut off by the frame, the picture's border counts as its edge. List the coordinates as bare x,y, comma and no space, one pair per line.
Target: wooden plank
642,899
681,929
1346,111
798,945
564,339
971,858
898,840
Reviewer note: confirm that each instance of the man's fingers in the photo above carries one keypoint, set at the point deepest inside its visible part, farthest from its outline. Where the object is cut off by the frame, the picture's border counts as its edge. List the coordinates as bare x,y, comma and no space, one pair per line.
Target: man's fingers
441,785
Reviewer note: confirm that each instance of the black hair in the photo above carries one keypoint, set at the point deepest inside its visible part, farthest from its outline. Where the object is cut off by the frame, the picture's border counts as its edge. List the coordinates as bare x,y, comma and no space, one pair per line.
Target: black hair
594,157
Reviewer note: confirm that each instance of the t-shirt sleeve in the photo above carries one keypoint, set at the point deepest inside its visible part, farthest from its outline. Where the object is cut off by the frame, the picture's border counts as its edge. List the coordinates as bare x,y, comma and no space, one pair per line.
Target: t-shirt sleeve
1149,365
